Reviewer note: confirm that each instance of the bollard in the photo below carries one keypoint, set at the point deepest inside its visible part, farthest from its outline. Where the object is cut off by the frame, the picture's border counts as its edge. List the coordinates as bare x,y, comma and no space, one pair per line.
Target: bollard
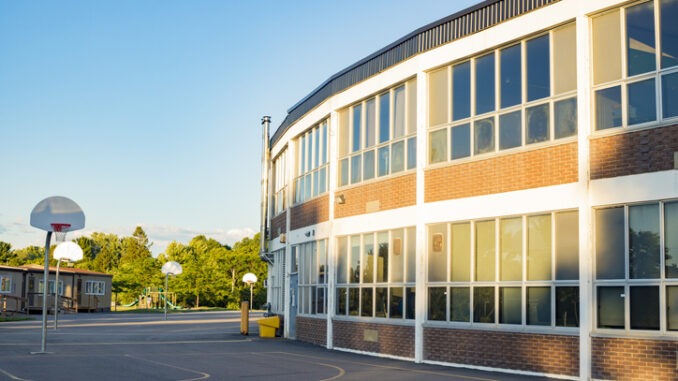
245,318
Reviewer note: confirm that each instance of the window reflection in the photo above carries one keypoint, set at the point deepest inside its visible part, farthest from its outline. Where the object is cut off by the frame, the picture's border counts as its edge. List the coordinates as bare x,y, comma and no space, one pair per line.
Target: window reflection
538,124
510,130
565,118
484,84
640,38
608,108
642,106
483,136
483,304
510,83
611,307
538,68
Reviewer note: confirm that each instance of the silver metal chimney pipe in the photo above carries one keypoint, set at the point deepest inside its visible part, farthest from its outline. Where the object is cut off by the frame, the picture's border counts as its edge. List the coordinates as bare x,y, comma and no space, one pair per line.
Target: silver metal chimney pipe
265,161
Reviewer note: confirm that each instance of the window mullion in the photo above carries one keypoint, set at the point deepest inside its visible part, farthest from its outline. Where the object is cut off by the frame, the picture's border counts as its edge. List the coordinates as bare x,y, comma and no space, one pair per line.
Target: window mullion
523,302
657,41
450,86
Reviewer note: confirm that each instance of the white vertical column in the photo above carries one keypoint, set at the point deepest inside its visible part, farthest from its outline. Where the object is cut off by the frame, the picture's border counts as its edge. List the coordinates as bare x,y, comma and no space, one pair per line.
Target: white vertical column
290,170
584,118
420,296
331,272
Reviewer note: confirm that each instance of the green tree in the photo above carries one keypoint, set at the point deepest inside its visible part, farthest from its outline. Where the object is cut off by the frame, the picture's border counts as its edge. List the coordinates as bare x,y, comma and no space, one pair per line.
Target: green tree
136,269
109,251
243,259
30,255
7,255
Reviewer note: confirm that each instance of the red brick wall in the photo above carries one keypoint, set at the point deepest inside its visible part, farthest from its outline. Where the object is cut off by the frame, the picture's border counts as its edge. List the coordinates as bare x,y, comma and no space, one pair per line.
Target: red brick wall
391,193
394,340
634,152
532,169
310,212
312,330
278,225
633,359
552,354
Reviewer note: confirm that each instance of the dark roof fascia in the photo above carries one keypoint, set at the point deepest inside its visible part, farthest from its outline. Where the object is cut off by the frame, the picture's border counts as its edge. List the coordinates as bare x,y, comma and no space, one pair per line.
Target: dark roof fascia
329,87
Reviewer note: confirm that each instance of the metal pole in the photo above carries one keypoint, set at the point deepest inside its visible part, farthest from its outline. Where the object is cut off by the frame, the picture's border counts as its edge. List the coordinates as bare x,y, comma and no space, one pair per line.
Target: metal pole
251,301
45,278
166,276
265,158
56,296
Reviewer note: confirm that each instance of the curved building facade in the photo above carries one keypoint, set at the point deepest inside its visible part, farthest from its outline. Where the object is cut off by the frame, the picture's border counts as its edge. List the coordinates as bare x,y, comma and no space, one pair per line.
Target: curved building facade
496,190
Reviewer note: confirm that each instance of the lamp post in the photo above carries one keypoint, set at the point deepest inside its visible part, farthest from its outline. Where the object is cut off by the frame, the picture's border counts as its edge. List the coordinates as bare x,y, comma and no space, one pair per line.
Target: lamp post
250,279
168,268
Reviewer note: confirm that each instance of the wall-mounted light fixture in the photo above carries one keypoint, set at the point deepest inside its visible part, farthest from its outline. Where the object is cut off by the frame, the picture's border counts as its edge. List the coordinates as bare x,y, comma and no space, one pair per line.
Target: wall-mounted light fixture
340,199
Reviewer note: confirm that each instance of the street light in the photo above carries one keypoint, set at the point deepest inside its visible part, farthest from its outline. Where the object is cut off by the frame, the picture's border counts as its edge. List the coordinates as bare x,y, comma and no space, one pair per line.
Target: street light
168,268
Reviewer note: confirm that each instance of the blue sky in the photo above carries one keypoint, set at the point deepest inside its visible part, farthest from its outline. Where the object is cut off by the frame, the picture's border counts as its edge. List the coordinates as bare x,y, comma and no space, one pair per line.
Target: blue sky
148,112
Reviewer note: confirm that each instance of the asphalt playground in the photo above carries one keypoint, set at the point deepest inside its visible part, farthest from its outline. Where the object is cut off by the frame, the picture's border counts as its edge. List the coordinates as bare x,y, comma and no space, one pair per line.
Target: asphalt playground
191,346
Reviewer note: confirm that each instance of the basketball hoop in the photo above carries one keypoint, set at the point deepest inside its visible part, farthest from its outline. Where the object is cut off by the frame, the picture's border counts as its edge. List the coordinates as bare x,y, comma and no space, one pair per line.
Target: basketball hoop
60,230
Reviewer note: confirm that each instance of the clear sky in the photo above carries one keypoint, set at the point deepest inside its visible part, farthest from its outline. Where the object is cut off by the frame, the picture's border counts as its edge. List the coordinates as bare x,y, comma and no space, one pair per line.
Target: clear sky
149,112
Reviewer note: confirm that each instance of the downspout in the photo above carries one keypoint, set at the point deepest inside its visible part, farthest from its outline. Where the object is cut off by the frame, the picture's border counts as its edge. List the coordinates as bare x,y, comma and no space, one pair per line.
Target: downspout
265,158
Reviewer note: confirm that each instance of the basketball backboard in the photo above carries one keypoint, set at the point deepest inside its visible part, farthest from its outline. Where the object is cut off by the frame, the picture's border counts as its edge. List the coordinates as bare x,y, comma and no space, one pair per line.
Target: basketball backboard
57,213
70,251
171,267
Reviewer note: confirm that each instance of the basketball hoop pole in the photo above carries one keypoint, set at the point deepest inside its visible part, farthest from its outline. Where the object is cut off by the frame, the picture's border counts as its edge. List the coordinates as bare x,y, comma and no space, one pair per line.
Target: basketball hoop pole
56,214
45,283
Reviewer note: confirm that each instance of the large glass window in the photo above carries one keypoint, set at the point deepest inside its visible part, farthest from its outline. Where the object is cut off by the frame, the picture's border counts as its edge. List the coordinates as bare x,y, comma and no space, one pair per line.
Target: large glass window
506,265
375,274
5,284
382,134
635,282
312,164
510,82
312,268
515,95
484,84
91,287
632,60
280,183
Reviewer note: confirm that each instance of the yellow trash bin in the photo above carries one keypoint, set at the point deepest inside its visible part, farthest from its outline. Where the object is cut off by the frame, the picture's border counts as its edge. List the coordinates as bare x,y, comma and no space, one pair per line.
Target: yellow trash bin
267,326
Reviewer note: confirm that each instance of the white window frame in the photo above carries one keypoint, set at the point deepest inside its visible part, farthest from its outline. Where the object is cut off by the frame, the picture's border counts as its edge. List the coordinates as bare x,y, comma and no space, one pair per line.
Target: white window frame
627,283
626,80
407,136
406,284
309,255
312,163
497,284
522,108
50,287
5,284
95,287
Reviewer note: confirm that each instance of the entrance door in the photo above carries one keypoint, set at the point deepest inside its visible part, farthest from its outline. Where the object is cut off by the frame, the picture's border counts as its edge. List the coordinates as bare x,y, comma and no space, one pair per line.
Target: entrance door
292,316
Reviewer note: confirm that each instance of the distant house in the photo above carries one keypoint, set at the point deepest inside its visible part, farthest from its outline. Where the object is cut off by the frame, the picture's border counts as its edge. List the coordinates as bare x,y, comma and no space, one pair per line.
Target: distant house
21,289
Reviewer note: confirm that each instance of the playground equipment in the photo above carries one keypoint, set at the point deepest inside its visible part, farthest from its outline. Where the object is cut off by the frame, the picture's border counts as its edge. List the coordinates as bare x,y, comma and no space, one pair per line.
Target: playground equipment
154,298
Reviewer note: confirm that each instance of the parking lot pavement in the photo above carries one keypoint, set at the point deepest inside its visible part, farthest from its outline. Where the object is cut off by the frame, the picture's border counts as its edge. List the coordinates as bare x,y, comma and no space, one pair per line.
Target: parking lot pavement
191,346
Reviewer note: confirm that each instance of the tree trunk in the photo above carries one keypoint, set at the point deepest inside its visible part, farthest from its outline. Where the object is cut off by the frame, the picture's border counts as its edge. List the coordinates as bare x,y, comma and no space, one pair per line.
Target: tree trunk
197,300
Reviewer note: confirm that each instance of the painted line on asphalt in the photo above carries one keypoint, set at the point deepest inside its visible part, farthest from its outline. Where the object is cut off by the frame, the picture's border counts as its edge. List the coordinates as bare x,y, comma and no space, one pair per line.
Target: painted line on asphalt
203,375
431,372
10,375
342,372
89,343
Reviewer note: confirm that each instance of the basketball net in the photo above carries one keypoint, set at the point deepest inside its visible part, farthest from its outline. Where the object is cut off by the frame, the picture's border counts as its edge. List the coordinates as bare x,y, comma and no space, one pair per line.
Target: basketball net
60,231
